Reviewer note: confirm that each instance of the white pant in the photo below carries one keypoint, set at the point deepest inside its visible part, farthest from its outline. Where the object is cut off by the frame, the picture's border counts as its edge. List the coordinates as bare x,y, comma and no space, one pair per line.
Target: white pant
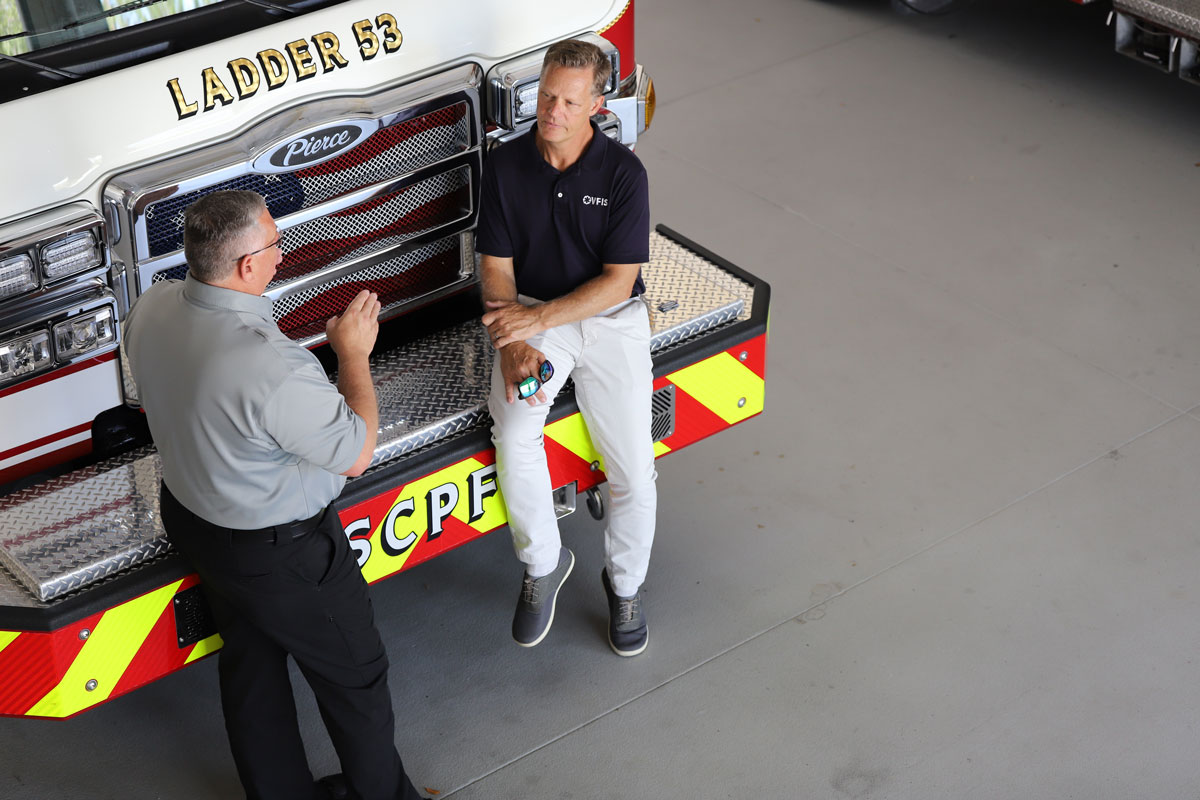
608,356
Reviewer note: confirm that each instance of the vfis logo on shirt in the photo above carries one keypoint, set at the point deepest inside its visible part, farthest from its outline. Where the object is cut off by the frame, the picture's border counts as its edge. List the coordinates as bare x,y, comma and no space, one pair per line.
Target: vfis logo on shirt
589,200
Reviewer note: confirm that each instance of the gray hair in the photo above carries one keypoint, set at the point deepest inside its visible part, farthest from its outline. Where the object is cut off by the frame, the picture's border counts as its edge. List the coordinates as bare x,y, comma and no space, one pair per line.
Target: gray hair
580,55
214,231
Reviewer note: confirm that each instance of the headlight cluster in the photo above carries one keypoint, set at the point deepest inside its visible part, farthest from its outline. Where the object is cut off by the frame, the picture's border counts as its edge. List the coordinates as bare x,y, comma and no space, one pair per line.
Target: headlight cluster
58,341
513,85
69,246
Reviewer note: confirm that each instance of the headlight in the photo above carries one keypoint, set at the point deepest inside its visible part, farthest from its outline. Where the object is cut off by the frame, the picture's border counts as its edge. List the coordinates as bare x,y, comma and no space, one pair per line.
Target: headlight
16,276
24,354
84,333
71,254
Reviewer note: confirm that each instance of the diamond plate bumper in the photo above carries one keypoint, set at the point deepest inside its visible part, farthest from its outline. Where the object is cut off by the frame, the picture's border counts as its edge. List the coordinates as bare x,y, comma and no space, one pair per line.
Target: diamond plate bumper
1182,16
81,528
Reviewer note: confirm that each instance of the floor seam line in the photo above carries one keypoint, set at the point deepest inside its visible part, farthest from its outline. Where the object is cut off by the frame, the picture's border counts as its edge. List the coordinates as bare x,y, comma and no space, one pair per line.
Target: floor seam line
825,601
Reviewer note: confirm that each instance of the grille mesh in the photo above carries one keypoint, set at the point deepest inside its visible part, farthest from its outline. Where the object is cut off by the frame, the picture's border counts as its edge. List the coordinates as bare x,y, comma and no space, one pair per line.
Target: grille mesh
375,224
386,154
398,281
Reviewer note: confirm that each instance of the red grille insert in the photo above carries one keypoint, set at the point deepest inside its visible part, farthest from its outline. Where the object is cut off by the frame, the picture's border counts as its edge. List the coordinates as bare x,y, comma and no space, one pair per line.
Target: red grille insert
397,282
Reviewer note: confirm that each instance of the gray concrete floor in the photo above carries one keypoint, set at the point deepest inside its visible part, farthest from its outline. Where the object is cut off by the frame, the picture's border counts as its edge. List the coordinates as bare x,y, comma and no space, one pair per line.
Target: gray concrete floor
957,555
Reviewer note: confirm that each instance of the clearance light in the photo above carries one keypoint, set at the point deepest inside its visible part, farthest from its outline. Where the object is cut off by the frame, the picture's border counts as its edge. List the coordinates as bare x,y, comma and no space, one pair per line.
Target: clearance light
647,101
82,334
527,97
75,253
24,355
16,276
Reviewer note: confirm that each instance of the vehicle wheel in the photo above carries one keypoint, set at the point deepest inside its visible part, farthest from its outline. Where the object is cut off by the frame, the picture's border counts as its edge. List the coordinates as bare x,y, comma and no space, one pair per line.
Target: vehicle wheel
595,503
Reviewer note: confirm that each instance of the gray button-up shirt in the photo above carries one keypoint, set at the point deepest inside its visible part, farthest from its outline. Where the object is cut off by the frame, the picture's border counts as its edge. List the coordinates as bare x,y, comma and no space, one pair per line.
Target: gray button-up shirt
250,430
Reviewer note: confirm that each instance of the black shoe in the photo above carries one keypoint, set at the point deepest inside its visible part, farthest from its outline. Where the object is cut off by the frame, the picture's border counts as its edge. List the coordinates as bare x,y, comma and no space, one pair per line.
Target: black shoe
334,787
535,606
627,631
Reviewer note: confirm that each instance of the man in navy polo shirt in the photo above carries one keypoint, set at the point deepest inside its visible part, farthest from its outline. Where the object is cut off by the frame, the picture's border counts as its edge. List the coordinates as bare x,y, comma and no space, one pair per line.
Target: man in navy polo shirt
564,228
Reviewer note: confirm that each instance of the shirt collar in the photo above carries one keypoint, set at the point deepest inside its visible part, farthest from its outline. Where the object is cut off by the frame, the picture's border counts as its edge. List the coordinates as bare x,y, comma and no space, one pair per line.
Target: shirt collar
592,158
219,297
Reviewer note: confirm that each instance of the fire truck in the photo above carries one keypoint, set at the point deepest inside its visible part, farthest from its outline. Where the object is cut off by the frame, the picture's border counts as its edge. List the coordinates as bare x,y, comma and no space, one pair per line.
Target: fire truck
364,124
1163,34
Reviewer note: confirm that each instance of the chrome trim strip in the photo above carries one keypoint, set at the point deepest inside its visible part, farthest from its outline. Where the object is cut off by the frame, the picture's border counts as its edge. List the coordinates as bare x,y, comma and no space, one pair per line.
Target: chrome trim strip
24,235
42,308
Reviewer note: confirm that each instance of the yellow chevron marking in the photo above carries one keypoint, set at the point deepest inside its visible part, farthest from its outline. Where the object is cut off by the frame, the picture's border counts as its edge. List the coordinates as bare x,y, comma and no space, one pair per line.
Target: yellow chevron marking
106,655
719,382
660,449
380,564
7,638
572,433
204,647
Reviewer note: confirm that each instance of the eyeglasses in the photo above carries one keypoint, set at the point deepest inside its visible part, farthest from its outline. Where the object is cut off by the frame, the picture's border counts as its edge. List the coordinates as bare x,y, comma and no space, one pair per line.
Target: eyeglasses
278,240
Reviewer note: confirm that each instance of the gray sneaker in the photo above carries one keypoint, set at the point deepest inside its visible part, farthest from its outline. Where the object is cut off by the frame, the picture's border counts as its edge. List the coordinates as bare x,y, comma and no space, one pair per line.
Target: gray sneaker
535,607
627,631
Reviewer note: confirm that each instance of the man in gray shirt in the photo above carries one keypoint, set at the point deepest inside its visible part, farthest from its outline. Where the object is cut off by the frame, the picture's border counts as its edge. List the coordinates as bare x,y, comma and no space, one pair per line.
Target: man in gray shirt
255,444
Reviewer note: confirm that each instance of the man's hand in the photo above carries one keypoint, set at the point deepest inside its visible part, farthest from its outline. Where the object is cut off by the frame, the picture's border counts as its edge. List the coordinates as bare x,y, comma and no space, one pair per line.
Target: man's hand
509,321
519,361
353,333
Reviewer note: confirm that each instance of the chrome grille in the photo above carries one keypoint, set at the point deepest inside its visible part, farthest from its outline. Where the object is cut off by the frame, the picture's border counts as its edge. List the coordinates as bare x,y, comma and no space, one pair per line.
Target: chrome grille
379,223
388,214
398,281
387,154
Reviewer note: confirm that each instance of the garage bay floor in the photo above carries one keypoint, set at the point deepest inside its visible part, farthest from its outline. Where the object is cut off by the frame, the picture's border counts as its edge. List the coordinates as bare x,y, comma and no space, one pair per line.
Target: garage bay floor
956,557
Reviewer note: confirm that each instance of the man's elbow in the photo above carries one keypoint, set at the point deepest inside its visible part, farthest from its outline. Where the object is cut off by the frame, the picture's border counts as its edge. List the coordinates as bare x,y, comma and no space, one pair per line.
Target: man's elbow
362,463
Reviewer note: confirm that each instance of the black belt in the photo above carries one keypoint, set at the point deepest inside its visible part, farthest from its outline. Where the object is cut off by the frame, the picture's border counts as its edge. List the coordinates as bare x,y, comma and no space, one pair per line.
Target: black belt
287,532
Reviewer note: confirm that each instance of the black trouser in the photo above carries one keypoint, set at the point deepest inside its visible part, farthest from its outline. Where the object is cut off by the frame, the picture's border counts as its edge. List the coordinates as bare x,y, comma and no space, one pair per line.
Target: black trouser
272,596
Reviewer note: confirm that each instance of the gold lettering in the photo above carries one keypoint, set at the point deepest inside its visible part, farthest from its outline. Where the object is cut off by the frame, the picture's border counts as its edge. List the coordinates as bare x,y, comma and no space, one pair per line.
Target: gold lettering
392,38
274,68
301,59
182,106
214,90
327,48
368,42
245,77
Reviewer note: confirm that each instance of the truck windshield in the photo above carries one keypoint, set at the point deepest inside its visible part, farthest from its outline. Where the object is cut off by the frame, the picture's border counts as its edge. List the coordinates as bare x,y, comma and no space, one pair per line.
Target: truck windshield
27,26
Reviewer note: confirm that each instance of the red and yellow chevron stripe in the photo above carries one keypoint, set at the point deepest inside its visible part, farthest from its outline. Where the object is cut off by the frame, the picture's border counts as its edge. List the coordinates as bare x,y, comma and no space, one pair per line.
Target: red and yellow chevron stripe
105,655
418,521
62,673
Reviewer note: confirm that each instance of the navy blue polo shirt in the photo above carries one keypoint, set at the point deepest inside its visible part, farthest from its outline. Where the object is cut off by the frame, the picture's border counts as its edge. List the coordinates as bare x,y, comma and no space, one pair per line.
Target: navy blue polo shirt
560,228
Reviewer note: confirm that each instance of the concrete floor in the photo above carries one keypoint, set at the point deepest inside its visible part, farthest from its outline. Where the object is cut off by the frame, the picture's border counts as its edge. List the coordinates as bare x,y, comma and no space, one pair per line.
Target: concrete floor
957,555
